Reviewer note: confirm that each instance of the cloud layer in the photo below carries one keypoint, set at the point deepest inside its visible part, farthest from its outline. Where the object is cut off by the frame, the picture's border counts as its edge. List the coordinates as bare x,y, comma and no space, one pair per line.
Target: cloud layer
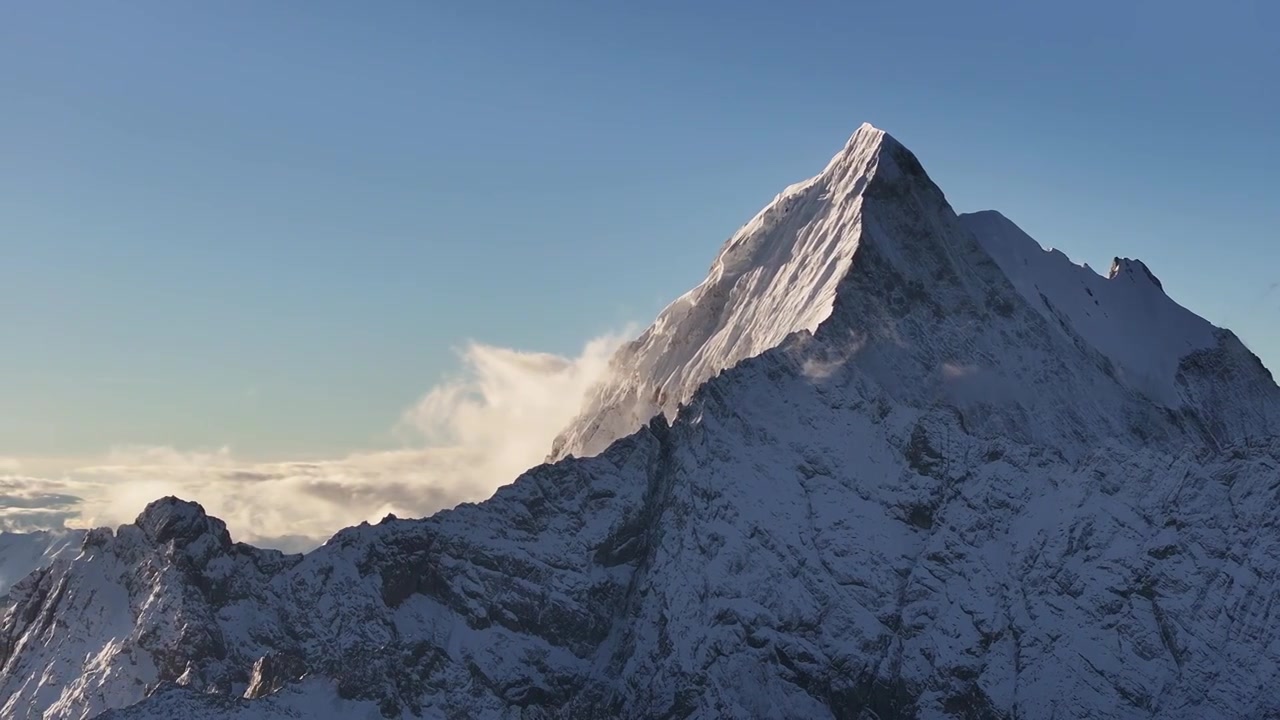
30,503
467,437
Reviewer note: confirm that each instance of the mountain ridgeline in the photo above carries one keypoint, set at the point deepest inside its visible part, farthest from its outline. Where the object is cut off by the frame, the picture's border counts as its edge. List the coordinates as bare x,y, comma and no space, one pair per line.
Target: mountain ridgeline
885,462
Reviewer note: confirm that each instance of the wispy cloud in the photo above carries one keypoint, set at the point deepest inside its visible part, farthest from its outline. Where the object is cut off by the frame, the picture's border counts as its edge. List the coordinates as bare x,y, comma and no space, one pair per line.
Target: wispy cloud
465,438
33,503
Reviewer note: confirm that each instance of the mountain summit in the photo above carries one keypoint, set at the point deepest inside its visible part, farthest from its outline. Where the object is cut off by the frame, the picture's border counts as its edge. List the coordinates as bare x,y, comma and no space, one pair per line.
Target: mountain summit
884,462
776,276
873,231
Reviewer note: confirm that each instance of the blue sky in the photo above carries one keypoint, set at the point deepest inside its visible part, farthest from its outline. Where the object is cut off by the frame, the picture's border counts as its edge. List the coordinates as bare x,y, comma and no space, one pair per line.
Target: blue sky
269,226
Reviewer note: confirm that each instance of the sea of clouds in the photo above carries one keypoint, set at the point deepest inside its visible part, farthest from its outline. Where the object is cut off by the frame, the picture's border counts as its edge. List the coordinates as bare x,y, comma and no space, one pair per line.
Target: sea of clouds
465,438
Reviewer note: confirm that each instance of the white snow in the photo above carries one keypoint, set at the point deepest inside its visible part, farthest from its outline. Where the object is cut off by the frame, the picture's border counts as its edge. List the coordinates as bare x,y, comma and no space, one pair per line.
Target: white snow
1127,316
79,673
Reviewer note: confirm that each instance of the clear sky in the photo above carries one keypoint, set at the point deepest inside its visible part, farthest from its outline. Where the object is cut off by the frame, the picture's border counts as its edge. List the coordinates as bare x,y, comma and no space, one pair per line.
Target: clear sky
269,226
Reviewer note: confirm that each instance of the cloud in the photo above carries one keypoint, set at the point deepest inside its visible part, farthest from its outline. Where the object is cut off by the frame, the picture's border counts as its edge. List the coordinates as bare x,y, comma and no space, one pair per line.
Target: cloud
26,521
510,406
465,438
30,503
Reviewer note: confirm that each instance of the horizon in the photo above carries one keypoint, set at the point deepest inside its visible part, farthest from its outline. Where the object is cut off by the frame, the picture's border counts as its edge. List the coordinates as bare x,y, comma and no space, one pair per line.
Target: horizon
306,248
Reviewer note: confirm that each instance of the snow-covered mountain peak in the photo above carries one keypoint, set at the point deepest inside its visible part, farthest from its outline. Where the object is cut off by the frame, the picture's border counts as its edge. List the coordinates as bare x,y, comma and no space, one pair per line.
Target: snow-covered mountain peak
873,234
859,153
181,521
1134,270
777,275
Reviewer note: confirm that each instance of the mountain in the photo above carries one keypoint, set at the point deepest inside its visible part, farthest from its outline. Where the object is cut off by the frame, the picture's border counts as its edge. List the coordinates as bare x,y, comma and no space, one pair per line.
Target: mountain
885,462
1155,346
776,276
20,553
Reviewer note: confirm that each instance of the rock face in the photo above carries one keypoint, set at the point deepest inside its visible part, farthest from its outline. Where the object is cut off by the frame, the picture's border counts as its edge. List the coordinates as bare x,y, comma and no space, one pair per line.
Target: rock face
902,465
169,598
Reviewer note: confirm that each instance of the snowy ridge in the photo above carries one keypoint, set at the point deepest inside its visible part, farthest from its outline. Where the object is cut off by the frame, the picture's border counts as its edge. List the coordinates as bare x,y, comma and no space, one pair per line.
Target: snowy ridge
1126,314
1154,345
22,553
930,498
